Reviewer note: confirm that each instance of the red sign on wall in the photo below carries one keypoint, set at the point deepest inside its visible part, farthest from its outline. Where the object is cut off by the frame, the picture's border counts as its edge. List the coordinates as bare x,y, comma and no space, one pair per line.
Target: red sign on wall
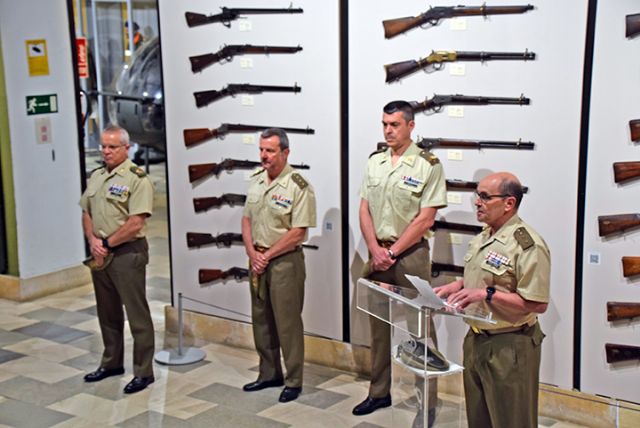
83,60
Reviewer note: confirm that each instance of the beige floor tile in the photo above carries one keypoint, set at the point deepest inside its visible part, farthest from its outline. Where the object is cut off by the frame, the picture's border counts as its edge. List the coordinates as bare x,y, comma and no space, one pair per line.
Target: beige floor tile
12,322
78,422
299,415
92,326
8,307
46,350
181,407
44,371
98,409
72,303
5,375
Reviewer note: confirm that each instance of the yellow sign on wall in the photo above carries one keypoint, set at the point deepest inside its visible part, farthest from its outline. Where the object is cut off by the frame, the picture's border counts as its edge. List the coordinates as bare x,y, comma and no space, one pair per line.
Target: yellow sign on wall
37,57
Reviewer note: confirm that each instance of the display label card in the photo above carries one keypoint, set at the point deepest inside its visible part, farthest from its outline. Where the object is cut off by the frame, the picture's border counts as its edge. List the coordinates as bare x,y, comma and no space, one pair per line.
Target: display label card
37,57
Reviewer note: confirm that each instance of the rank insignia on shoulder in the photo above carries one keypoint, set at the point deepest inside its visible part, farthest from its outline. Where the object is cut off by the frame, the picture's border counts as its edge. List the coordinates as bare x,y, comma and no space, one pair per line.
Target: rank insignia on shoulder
301,182
257,171
429,157
138,171
380,150
524,238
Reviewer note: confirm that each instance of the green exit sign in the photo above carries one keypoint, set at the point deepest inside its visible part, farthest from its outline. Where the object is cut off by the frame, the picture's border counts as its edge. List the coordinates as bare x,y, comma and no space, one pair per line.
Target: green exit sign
41,104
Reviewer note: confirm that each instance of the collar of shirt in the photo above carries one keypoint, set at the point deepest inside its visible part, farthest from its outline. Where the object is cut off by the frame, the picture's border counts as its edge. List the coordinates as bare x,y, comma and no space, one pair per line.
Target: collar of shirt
502,235
120,169
281,180
408,157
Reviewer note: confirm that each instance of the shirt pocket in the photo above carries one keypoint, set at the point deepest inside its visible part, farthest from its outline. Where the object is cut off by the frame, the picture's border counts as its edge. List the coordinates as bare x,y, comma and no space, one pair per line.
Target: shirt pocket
502,275
120,198
281,204
407,195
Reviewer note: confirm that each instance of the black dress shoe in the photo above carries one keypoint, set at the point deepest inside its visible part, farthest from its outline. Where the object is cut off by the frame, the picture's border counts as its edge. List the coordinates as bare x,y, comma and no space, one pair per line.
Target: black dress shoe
289,394
262,384
138,384
103,373
371,404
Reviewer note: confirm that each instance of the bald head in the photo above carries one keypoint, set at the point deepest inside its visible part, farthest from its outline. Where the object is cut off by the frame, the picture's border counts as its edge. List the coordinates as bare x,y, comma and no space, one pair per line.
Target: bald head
507,184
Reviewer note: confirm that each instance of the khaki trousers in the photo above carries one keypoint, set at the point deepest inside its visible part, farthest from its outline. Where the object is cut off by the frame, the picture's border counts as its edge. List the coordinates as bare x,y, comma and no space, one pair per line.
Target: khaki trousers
415,261
276,312
501,375
123,283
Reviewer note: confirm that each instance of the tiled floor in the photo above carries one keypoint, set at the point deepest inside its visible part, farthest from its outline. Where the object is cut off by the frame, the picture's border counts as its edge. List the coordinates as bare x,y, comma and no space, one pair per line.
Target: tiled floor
46,347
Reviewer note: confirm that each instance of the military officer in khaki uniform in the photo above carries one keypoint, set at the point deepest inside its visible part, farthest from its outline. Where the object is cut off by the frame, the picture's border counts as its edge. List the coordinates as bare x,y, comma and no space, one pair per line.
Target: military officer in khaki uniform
116,203
402,189
280,207
506,272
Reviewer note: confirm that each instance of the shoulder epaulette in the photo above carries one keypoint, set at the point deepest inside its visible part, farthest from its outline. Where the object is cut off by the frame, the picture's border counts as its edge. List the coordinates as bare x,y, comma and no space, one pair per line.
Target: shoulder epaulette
429,157
138,171
301,182
96,169
523,237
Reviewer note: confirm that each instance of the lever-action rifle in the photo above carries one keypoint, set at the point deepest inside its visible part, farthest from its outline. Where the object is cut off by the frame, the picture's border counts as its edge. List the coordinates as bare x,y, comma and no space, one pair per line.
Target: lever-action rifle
625,171
210,275
436,103
195,240
458,227
230,14
232,199
617,353
630,266
198,135
622,311
634,127
202,170
438,268
227,53
453,143
617,223
393,27
204,98
437,59
455,184
632,26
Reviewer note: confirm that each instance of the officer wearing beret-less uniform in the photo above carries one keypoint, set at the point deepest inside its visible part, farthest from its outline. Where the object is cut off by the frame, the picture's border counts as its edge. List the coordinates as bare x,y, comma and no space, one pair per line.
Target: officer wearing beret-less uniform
279,209
402,189
506,272
115,205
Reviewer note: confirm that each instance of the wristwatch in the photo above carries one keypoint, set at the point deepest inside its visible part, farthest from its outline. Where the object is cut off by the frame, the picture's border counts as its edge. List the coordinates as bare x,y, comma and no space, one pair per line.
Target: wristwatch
105,244
392,256
490,292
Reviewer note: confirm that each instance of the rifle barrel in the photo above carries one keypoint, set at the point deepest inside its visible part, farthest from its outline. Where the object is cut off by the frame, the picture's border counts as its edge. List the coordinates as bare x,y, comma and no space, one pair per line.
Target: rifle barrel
438,268
459,227
432,143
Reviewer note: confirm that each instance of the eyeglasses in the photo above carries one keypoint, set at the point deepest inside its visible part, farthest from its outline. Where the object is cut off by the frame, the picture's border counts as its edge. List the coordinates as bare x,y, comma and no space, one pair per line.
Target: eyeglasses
485,197
110,147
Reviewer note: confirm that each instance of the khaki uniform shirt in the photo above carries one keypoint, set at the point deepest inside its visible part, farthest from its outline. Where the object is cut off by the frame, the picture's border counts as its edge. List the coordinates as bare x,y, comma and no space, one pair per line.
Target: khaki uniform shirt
515,259
396,194
287,202
112,197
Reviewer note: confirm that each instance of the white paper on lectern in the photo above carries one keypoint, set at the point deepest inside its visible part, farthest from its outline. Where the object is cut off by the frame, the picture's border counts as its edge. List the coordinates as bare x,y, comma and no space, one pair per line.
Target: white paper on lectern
427,296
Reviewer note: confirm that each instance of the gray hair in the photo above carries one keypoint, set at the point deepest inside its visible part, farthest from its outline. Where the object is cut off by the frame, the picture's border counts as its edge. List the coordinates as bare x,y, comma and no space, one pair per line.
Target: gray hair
512,188
124,135
282,136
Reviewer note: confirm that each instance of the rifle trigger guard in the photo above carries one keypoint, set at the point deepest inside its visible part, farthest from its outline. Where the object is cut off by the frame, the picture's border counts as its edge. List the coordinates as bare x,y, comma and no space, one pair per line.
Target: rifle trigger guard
226,23
437,66
435,274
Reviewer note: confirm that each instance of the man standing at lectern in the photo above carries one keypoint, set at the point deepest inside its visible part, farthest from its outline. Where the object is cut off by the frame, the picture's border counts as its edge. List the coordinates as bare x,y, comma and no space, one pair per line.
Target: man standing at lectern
506,272
402,189
280,207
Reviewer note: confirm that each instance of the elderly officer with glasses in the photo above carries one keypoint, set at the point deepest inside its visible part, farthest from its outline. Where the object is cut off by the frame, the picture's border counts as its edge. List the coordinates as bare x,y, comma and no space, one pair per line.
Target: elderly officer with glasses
115,206
506,272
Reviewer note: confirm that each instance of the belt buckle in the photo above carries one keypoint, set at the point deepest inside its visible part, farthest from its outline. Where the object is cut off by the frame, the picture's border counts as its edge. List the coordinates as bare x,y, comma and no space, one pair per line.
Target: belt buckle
476,330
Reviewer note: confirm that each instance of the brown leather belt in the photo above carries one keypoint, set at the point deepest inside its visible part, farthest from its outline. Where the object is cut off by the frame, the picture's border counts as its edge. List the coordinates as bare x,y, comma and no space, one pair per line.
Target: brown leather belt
504,330
260,249
386,244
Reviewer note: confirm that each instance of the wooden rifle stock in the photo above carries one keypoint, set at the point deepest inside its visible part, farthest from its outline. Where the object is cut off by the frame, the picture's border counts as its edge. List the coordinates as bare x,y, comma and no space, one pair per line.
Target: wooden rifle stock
625,171
210,275
438,268
630,266
617,223
617,353
197,135
622,311
634,127
632,27
232,199
455,184
393,27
